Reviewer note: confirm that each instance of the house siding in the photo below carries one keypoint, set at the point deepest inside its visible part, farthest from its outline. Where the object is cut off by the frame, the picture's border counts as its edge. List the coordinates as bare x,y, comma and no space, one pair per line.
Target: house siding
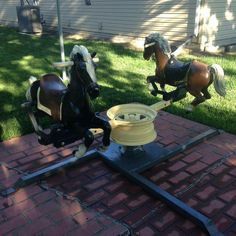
111,19
124,17
218,23
127,20
8,12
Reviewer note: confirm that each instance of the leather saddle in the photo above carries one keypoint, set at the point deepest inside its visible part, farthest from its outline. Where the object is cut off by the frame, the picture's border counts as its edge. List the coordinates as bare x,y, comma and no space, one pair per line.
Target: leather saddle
176,71
50,95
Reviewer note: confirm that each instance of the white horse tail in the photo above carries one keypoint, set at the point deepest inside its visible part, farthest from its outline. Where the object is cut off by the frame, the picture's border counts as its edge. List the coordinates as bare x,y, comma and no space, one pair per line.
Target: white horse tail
218,79
32,79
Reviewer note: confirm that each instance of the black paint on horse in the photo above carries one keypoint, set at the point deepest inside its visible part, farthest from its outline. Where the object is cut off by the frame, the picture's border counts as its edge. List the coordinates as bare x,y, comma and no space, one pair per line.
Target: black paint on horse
71,105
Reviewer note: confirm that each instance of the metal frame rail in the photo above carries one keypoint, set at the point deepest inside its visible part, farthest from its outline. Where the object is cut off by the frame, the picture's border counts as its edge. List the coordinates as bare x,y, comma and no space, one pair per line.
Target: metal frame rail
123,161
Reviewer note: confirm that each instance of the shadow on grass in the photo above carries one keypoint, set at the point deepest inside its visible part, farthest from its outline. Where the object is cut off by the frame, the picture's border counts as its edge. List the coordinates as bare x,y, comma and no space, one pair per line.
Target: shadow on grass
1,133
22,56
208,114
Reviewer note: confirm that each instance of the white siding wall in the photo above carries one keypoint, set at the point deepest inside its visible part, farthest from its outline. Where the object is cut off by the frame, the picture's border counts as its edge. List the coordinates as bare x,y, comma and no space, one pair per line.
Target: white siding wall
219,22
132,18
116,18
8,11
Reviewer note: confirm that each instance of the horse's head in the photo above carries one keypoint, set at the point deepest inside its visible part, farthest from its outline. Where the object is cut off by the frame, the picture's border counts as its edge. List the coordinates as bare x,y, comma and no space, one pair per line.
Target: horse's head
84,69
155,43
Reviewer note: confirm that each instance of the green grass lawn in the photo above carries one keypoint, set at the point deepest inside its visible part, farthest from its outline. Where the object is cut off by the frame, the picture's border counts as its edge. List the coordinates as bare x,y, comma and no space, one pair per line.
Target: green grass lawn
121,74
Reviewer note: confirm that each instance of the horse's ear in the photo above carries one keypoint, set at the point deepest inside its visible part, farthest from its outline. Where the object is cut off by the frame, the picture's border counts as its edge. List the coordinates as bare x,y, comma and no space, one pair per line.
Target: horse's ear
93,54
95,59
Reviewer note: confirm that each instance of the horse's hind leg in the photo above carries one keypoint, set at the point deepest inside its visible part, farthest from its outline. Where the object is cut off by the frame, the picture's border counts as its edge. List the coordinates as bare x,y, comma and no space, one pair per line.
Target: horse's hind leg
206,93
196,101
199,98
83,147
99,122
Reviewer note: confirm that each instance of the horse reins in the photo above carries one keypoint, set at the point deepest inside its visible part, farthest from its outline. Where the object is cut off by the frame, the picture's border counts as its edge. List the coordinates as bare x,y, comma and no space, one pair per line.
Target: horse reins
149,44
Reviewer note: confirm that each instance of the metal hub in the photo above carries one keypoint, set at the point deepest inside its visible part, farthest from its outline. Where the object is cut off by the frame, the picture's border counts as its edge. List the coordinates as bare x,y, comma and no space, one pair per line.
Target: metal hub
132,124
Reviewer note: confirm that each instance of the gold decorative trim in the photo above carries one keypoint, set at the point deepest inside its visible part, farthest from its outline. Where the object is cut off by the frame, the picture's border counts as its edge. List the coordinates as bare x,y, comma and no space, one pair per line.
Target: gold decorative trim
41,106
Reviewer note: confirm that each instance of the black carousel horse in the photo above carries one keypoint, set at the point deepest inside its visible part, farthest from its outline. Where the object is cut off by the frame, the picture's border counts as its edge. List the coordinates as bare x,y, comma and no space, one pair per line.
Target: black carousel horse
69,106
193,77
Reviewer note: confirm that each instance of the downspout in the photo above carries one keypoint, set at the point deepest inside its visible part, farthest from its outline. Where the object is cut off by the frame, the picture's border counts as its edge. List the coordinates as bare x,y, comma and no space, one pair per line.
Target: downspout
61,40
199,23
197,17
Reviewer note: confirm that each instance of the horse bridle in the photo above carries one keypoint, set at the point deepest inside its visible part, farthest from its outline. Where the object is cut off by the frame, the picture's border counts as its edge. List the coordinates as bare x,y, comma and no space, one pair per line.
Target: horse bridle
92,89
149,44
152,44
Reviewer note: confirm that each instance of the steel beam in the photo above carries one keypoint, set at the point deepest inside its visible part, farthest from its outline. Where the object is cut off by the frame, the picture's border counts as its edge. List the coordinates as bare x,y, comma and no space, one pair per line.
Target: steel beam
48,171
174,203
131,162
134,161
190,143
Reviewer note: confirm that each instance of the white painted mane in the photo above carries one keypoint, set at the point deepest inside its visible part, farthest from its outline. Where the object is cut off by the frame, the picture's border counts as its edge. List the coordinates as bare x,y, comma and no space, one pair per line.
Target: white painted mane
82,50
158,38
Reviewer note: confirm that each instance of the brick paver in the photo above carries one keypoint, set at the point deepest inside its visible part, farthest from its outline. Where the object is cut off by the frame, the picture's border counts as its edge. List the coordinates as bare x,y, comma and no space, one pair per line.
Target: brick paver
204,177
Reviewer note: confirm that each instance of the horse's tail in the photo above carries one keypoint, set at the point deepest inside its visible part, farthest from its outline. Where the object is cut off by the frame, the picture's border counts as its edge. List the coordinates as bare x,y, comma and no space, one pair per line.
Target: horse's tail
28,96
218,79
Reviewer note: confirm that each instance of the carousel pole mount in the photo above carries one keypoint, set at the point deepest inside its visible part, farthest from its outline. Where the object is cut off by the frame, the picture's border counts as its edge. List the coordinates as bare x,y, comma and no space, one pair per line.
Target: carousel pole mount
61,40
131,155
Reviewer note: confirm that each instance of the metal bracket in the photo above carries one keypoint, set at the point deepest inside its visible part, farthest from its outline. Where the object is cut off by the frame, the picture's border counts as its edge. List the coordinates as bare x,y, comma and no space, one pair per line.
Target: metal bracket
131,161
46,172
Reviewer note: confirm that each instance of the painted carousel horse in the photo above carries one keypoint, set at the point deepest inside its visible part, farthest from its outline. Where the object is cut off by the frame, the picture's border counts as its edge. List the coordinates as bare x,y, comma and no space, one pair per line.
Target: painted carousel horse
193,77
69,106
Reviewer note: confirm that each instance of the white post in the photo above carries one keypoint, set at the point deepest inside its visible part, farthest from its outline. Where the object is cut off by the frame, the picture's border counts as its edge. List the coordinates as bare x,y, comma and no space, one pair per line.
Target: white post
197,17
64,76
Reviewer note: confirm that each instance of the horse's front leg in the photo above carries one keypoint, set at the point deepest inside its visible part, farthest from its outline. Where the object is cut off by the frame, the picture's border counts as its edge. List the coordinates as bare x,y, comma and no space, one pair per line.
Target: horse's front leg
152,80
199,98
162,84
100,122
163,87
88,140
160,78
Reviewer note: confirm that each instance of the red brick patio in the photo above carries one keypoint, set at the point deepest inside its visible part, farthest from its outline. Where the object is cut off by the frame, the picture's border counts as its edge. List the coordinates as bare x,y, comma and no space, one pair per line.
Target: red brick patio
203,177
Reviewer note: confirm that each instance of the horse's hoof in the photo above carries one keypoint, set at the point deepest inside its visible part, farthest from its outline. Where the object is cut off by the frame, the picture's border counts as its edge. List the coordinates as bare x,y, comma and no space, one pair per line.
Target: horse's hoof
188,112
189,109
81,151
102,148
154,93
32,79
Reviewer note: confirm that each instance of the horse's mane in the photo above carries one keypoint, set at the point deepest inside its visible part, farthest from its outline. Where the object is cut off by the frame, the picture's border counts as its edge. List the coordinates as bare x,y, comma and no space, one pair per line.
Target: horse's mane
163,43
82,50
